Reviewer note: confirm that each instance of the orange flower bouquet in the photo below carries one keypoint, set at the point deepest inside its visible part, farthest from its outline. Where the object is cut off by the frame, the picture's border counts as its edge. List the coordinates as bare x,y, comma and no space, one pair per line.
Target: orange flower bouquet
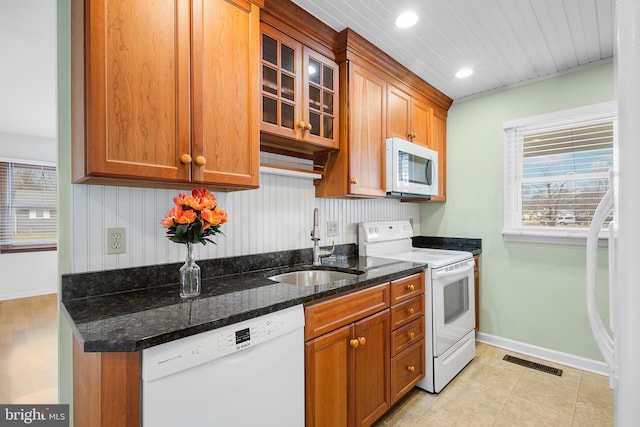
192,220
194,217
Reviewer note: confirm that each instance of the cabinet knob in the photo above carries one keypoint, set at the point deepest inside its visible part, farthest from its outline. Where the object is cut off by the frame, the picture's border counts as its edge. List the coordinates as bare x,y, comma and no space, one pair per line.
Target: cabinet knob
411,335
301,124
411,288
362,340
201,161
411,369
185,159
308,126
354,343
354,180
410,311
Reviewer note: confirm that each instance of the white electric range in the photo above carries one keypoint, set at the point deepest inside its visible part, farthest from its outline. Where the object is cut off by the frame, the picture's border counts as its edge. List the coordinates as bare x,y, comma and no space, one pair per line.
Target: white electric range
449,297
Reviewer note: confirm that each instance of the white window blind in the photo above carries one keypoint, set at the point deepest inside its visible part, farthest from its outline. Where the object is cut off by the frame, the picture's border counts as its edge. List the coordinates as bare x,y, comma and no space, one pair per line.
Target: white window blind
556,172
29,207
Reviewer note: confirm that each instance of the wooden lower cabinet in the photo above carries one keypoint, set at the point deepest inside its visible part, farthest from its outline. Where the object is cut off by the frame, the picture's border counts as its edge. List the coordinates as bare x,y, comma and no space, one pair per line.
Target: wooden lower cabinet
364,351
408,334
327,381
347,374
371,373
407,368
106,388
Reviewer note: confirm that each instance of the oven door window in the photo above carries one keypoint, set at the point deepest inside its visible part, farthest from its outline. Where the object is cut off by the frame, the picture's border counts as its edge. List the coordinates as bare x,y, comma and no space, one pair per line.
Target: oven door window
456,300
453,309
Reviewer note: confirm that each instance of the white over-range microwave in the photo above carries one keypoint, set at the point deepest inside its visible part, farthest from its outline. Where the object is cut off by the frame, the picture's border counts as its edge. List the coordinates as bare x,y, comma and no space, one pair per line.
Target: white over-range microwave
411,170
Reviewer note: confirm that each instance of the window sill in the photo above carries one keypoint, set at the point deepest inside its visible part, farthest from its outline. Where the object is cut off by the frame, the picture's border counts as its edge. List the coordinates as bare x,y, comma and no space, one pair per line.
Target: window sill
563,236
15,249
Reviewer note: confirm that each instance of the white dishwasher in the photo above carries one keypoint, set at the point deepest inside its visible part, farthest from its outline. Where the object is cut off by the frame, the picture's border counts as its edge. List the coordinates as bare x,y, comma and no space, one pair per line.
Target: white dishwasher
246,374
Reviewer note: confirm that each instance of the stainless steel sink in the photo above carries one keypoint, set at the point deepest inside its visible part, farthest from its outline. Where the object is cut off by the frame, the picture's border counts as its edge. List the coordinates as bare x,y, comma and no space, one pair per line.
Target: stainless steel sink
312,277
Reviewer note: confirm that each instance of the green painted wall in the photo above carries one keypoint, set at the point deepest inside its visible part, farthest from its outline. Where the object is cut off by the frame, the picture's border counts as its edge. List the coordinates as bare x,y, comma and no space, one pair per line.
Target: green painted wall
65,227
532,293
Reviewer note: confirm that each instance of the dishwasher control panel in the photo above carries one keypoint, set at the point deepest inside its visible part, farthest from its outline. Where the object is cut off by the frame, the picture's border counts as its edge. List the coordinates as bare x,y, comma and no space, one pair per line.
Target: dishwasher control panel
191,351
257,332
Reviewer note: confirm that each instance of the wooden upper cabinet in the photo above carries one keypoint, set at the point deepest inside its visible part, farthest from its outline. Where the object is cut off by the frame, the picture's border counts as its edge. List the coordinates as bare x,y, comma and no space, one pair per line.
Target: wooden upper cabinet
365,133
421,123
226,111
165,92
439,144
281,83
359,167
408,117
299,95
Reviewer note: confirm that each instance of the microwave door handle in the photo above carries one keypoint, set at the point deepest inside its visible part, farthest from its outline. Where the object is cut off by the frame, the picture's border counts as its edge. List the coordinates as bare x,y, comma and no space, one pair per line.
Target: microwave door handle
428,172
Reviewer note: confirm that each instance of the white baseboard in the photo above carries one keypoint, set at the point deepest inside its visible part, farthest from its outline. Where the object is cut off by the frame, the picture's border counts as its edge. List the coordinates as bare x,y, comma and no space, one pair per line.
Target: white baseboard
30,293
566,359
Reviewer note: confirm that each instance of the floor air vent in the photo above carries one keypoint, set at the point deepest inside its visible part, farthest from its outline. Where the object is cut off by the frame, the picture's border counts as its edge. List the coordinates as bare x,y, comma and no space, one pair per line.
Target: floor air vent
533,365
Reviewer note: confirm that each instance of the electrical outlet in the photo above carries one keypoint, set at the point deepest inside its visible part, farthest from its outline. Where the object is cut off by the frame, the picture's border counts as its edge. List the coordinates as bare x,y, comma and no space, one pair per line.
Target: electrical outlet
116,241
332,228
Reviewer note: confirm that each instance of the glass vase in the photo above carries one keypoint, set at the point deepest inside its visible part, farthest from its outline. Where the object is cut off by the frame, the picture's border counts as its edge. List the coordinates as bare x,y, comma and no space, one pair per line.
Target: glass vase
190,275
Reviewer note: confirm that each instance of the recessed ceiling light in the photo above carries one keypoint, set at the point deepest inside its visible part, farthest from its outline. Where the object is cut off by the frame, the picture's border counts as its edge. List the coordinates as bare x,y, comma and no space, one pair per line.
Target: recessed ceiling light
464,72
406,19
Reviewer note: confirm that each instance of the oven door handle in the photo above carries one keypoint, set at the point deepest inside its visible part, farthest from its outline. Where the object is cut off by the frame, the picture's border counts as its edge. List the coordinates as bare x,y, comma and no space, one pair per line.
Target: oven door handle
456,272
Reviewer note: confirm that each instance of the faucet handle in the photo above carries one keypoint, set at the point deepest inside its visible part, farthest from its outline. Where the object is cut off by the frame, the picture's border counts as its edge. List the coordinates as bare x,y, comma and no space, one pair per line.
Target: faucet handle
325,253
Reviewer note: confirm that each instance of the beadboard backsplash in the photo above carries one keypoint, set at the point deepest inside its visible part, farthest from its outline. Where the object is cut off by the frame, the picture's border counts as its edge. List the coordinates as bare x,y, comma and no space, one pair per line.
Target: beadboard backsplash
276,217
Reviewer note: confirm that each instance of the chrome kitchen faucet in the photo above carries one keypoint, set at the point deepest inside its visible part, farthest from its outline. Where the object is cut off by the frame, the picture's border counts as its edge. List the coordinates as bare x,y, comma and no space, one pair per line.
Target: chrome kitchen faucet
315,236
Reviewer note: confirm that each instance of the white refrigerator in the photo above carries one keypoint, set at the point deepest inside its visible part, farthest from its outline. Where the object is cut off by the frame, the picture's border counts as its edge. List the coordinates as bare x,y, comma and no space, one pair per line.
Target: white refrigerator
621,348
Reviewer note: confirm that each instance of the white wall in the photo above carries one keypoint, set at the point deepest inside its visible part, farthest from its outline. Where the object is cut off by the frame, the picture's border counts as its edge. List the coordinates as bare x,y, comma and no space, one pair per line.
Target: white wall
278,216
28,122
28,71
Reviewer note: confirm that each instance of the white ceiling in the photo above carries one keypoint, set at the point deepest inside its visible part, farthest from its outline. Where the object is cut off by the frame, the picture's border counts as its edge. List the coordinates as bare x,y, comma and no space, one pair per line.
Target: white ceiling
506,42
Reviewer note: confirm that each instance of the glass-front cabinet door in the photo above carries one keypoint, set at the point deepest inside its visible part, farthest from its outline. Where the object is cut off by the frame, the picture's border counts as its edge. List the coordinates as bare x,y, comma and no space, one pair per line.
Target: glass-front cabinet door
299,92
281,84
321,99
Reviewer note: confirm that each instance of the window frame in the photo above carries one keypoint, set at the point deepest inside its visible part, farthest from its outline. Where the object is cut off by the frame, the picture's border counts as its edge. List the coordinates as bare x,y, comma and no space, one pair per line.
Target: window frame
574,117
34,247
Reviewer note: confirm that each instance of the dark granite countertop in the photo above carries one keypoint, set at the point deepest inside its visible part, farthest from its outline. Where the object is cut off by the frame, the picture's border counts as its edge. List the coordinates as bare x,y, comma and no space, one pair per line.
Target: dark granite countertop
451,243
119,310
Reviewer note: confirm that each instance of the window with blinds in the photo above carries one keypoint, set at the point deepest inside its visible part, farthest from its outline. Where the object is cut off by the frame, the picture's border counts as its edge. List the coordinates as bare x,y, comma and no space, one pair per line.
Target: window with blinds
29,207
556,172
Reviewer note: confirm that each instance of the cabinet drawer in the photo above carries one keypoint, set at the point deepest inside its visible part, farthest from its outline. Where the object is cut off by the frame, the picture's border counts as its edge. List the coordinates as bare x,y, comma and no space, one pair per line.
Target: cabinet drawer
407,368
407,335
406,288
331,314
405,312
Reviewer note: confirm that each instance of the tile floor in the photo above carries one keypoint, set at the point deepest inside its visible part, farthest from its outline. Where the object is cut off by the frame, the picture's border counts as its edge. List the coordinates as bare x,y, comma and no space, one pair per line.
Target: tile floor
493,392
